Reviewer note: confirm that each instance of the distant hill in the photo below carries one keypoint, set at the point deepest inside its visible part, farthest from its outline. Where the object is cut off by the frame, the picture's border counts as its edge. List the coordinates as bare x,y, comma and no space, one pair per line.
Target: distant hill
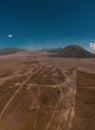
55,50
74,51
7,51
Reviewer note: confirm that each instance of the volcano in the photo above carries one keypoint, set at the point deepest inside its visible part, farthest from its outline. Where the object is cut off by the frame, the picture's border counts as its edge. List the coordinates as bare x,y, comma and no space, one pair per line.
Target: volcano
74,51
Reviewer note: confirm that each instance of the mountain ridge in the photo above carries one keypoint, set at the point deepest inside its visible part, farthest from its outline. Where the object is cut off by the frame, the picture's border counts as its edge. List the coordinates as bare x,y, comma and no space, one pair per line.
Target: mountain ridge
74,51
11,50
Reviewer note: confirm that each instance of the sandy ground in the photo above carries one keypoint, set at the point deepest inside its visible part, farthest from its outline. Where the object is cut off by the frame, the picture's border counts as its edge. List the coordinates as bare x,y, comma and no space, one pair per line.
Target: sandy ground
37,92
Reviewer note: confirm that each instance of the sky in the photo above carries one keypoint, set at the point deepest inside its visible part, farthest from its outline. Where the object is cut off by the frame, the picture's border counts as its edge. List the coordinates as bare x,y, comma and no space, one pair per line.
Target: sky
36,24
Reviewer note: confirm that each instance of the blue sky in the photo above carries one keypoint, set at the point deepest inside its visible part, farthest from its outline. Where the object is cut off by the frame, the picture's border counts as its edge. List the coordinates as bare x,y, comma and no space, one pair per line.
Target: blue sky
37,24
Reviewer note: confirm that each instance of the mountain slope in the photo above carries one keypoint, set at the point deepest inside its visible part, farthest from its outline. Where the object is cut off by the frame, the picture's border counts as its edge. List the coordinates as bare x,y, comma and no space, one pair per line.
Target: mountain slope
74,51
54,50
7,51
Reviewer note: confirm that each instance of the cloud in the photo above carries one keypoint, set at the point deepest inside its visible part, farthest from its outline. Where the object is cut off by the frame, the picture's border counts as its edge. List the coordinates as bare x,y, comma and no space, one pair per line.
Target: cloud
10,35
92,46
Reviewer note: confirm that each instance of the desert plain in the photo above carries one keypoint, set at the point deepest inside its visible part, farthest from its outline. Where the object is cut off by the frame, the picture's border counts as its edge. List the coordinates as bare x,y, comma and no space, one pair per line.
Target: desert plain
39,92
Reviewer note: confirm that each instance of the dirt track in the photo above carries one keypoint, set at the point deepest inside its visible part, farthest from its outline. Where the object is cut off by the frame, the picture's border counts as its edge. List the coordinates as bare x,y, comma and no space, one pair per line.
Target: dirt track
61,107
38,93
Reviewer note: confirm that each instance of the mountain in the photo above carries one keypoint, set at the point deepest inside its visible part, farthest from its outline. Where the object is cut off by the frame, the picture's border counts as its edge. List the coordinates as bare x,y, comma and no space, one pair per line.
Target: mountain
7,51
54,50
74,51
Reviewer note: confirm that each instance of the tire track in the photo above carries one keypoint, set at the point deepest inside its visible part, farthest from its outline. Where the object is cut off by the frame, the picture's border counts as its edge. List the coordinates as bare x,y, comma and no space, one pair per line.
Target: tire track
64,113
70,114
15,93
38,106
55,110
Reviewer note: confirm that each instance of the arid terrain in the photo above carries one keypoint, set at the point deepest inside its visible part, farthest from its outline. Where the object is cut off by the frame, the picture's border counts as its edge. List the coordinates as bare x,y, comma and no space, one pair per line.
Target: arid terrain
38,92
